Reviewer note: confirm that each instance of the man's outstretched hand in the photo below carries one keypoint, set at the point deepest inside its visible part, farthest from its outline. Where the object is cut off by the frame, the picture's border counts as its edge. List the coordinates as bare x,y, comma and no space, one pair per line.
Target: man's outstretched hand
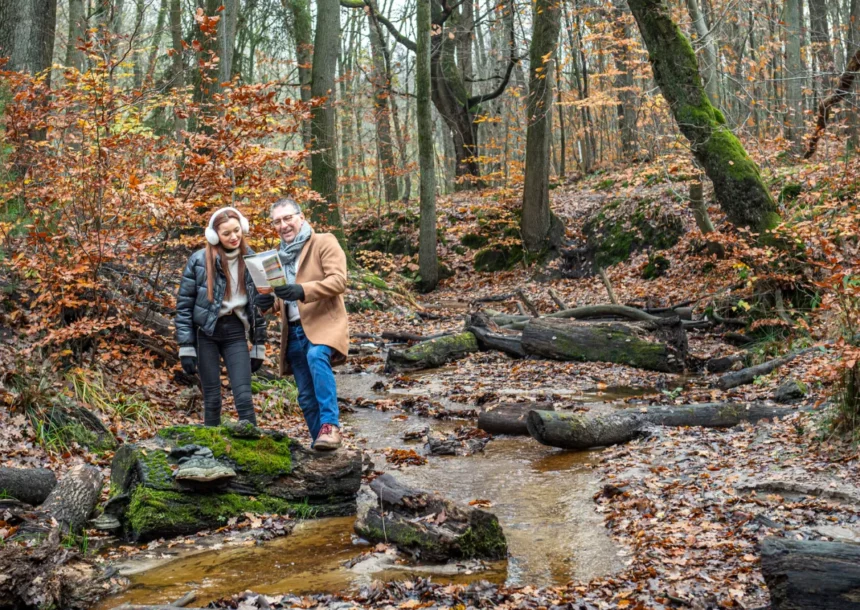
290,292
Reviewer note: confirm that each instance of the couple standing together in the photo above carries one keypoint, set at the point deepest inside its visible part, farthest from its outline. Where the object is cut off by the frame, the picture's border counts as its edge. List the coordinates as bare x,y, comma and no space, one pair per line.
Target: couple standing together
219,309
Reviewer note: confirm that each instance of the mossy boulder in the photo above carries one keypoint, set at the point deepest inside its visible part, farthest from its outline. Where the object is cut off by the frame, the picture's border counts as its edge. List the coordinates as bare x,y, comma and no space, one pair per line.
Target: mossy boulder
393,233
428,526
622,227
273,475
498,257
656,267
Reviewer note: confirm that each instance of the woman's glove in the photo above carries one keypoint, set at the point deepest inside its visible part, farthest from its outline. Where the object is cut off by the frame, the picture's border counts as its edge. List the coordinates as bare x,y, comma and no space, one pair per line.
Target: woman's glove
256,364
265,301
290,292
189,364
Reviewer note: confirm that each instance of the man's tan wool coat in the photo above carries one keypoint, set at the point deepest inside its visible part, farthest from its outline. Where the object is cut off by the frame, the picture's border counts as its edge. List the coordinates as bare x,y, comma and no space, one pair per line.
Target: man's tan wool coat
321,271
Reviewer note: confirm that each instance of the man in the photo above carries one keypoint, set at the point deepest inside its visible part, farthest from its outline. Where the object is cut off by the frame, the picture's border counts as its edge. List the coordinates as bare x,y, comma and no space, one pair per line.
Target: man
314,332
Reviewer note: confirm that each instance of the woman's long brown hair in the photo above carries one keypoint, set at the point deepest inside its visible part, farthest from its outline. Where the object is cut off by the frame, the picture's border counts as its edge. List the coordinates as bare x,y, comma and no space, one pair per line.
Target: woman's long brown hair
217,251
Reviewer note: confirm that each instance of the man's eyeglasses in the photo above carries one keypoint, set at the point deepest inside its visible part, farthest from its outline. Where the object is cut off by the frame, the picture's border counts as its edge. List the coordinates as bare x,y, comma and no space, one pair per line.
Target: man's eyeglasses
277,222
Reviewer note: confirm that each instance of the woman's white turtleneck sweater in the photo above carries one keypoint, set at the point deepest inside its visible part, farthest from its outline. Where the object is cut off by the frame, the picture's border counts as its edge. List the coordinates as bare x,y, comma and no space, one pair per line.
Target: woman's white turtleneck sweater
238,299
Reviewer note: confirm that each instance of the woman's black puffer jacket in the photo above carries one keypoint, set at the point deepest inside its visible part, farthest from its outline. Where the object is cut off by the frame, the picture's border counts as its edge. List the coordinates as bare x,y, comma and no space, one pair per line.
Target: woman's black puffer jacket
193,309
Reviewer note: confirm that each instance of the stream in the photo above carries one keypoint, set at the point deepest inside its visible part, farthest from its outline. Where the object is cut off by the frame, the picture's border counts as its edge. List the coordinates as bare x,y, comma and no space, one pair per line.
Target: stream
542,497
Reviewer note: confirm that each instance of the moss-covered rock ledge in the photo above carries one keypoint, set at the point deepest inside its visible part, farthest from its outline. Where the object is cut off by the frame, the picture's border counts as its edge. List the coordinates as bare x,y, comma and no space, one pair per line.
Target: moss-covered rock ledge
191,478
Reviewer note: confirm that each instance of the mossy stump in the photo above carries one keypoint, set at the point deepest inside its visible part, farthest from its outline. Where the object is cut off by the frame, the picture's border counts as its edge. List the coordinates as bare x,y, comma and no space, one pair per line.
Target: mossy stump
273,475
427,526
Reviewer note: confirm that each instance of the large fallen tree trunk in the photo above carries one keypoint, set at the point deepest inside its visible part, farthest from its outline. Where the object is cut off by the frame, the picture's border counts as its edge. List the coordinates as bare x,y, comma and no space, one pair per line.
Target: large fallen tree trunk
575,431
811,574
658,346
510,417
191,478
430,354
29,485
748,375
427,525
512,345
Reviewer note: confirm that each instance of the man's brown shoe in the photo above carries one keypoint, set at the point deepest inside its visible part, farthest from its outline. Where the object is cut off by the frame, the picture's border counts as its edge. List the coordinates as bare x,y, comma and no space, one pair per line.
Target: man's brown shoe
329,438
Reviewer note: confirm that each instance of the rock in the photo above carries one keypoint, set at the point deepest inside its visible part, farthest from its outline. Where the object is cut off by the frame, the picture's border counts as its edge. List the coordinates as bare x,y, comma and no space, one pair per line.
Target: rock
789,390
163,487
428,526
203,470
416,433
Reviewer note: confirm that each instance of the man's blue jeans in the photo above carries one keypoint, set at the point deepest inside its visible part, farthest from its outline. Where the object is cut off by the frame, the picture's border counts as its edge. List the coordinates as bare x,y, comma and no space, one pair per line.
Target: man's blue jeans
311,366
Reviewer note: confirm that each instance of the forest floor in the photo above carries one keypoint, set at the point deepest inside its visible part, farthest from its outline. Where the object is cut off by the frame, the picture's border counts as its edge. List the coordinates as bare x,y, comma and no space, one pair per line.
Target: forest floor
690,506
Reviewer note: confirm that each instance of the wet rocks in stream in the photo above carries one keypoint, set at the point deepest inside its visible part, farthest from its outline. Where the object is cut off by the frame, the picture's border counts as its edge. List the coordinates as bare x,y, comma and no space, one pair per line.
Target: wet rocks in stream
428,526
463,441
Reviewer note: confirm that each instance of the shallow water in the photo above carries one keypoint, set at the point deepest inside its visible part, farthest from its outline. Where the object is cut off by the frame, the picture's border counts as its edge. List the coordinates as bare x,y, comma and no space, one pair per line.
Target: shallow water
542,497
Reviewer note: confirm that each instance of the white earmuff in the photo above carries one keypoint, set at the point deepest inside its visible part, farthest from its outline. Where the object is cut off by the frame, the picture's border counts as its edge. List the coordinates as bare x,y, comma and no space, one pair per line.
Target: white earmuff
212,235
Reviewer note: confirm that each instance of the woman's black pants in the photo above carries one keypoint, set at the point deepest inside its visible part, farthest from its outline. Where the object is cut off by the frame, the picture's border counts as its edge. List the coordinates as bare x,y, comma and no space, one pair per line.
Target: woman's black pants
229,341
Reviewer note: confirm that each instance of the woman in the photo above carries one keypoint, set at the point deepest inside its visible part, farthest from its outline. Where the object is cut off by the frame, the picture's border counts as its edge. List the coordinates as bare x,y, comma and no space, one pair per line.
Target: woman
217,311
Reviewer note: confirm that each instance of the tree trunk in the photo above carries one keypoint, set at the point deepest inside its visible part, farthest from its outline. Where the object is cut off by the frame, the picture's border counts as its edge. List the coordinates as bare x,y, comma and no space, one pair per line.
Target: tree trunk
510,417
205,76
227,38
29,485
74,498
748,375
178,64
382,114
156,41
709,51
27,34
794,75
738,185
428,526
820,37
537,217
853,44
77,31
624,83
811,574
656,346
302,31
325,215
428,263
580,432
431,354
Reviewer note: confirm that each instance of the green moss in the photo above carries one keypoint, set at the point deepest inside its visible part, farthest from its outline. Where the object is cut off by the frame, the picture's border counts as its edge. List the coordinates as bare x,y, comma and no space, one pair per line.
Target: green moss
790,192
154,513
474,241
622,227
263,456
487,541
157,472
656,267
497,258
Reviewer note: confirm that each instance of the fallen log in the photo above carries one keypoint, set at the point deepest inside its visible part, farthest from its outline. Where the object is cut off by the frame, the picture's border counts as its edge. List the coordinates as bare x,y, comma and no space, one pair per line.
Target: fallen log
509,344
428,526
190,478
431,354
29,485
748,375
74,498
510,417
660,345
811,574
576,431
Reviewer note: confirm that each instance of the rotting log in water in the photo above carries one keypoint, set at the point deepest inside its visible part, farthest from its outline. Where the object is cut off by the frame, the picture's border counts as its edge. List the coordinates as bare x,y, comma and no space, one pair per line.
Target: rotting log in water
510,417
658,346
811,574
575,431
29,485
428,526
251,470
431,354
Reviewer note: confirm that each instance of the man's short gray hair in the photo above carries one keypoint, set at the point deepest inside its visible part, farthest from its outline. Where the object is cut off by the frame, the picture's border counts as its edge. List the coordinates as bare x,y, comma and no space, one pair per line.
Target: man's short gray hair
297,209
